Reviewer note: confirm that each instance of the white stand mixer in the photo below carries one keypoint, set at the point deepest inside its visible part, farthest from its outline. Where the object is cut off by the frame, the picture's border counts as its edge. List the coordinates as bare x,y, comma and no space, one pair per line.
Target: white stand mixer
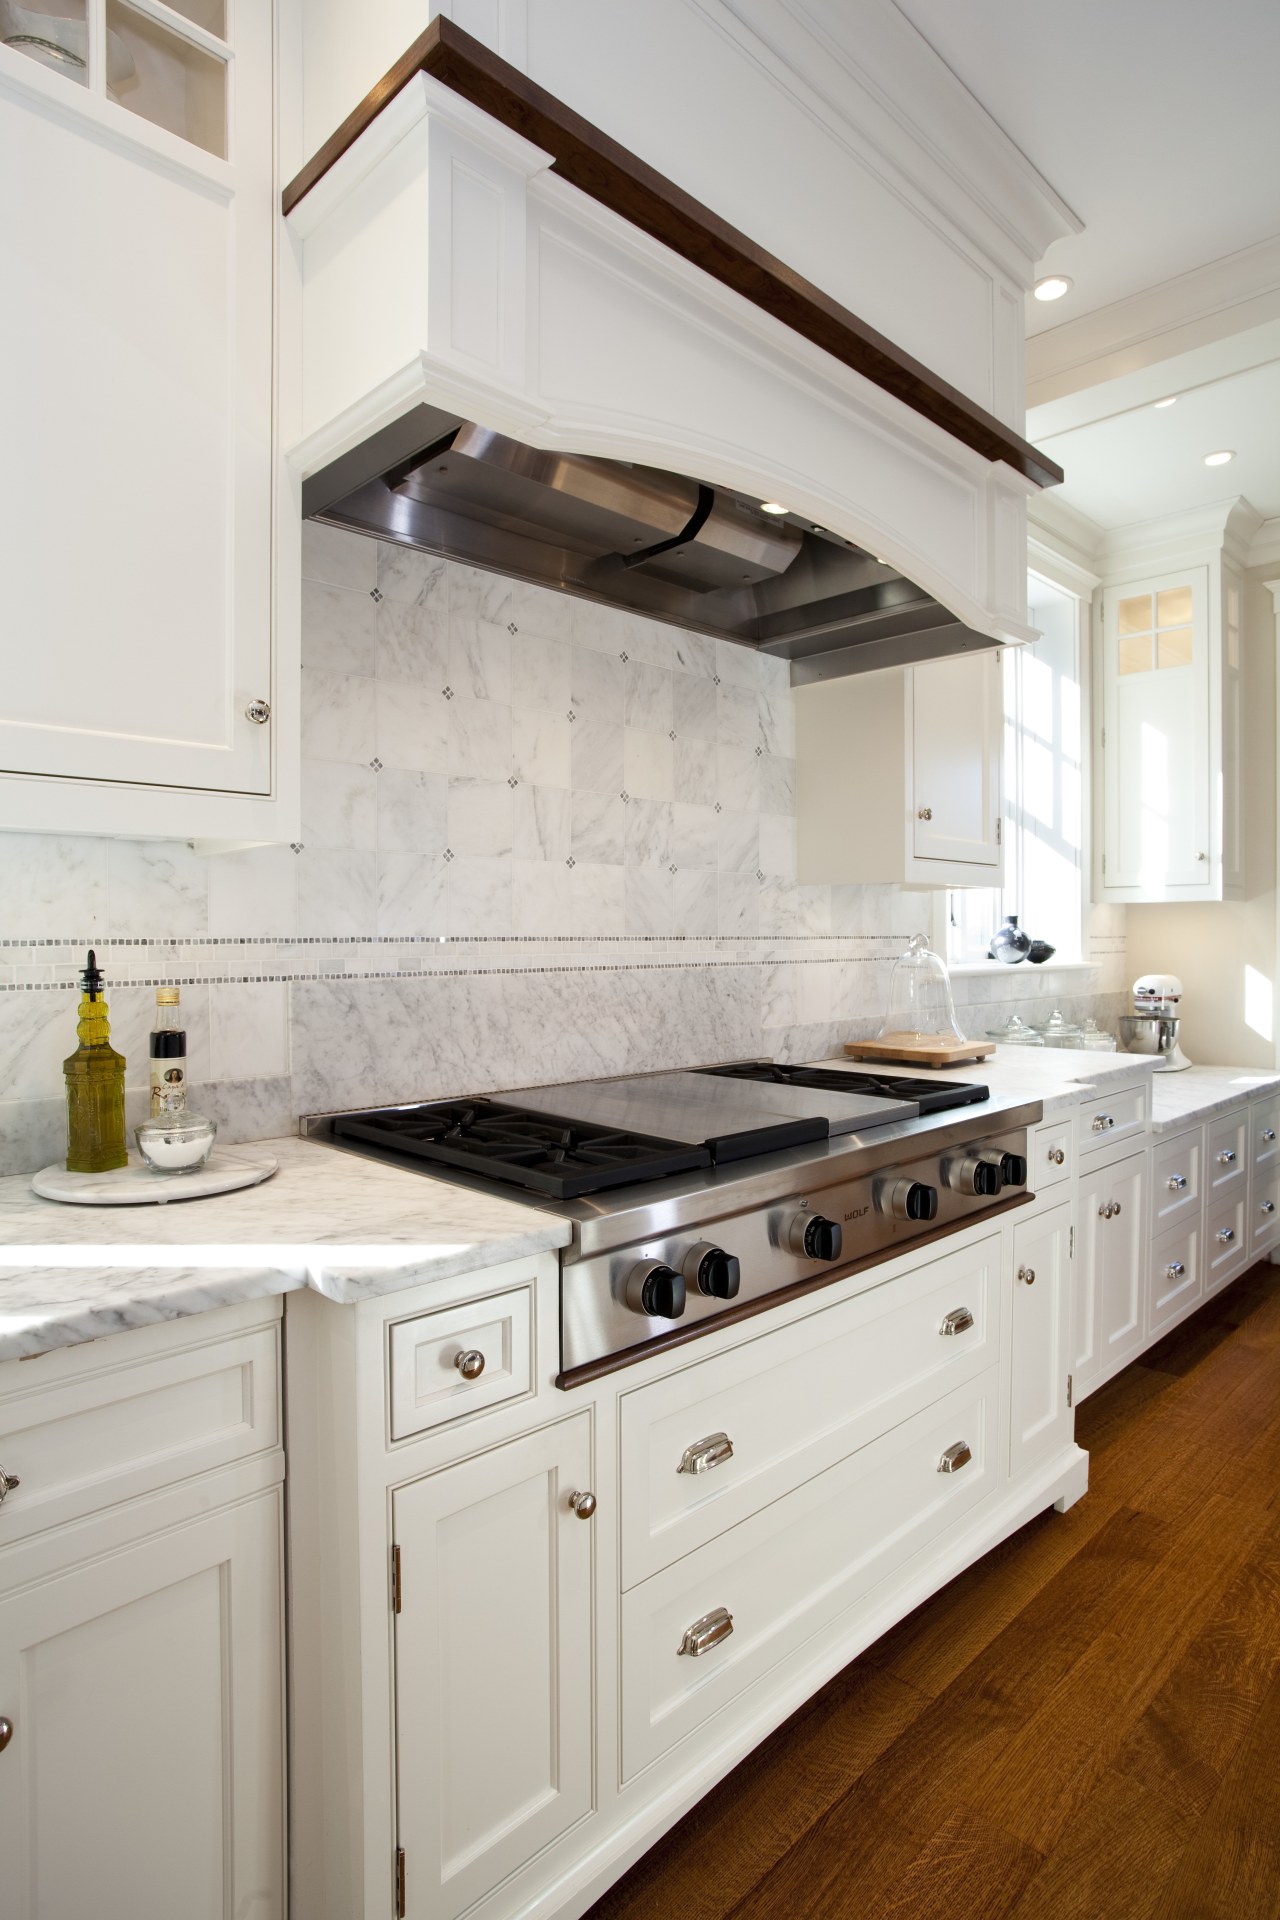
1152,1027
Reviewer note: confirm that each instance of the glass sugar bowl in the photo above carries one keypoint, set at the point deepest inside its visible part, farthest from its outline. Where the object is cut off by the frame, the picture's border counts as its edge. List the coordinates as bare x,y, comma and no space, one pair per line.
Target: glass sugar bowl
1015,1033
921,1009
176,1142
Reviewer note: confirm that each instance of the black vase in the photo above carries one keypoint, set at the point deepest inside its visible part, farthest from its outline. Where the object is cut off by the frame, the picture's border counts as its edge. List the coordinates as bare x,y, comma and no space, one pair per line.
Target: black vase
1039,951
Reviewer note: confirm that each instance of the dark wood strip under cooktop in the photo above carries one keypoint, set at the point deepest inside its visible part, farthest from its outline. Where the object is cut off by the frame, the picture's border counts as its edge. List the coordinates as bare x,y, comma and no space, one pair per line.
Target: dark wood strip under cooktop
618,179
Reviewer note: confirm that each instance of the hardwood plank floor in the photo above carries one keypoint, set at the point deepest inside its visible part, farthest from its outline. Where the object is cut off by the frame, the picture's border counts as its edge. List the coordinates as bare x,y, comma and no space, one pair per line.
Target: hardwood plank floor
1084,1726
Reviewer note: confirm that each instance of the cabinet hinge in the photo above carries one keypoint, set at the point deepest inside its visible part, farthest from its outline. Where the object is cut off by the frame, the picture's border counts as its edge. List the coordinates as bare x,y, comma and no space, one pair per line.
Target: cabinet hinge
395,1579
399,1883
998,826
1071,1243
1070,1390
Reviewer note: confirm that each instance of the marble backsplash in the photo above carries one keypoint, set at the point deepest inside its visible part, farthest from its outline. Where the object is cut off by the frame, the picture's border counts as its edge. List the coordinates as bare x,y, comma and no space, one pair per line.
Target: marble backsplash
541,840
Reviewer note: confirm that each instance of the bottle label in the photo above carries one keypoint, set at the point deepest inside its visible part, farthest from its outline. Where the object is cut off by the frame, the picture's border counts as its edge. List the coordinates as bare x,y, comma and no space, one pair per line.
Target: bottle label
168,1086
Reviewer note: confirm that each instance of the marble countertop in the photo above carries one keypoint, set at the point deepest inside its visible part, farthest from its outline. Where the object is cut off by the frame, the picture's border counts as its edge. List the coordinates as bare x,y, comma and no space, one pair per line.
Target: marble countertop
346,1226
1059,1077
1180,1099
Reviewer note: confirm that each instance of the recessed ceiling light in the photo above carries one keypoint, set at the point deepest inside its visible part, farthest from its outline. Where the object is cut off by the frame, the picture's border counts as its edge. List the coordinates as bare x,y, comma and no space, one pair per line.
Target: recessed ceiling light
773,506
1052,287
1170,400
1220,459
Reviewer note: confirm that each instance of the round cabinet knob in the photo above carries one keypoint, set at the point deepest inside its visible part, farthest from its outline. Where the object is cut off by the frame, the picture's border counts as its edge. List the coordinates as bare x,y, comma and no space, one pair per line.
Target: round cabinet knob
655,1290
1177,1182
712,1271
815,1237
1013,1169
1028,1274
1268,1206
1056,1156
1175,1270
470,1364
1268,1133
910,1200
8,1481
259,711
1227,1157
924,813
583,1504
6,1731
1226,1235
1115,1208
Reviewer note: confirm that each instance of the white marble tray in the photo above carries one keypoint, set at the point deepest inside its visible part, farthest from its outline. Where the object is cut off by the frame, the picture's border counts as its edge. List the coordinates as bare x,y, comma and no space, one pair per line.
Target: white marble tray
137,1186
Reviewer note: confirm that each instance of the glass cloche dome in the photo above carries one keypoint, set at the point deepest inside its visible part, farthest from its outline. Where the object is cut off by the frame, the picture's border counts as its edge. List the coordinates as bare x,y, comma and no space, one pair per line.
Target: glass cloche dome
920,1003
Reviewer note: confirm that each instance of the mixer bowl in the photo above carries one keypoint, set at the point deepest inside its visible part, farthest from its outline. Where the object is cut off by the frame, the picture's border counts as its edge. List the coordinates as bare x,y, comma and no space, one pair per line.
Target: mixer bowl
1150,1033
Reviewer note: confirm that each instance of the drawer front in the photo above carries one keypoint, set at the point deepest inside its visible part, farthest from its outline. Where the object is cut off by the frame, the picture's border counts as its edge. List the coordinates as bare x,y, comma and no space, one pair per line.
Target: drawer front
1226,1155
1176,1180
1226,1241
1264,1128
443,1365
787,1573
1051,1154
1113,1118
705,1448
1175,1282
1265,1213
112,1434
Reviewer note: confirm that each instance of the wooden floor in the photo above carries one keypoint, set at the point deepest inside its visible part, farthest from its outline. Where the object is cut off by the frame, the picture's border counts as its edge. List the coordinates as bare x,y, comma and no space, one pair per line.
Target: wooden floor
1086,1725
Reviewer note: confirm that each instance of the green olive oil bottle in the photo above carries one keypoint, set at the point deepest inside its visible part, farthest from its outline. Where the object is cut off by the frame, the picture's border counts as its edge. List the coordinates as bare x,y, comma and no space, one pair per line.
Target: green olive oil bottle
95,1086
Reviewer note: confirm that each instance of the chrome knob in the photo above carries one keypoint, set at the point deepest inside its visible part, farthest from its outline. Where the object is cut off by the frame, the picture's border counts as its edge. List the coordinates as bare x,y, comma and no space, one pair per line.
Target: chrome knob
6,1731
8,1481
1101,1122
1175,1270
1226,1235
924,813
1105,1213
1177,1182
813,1237
1028,1274
259,711
1115,1208
583,1504
470,1364
1227,1157
1056,1156
1268,1133
712,1271
1268,1206
1202,856
655,1290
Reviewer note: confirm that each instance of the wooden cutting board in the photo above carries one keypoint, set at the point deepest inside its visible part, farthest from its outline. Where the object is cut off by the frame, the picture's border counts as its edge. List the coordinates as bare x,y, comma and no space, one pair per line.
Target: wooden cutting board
921,1053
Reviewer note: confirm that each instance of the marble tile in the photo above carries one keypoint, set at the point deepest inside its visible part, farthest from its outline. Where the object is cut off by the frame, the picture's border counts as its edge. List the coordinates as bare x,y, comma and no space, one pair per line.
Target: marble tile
413,811
647,697
597,688
336,892
480,602
249,1030
599,828
540,612
338,716
777,783
541,745
412,895
410,577
413,642
787,908
774,674
481,818
776,721
693,771
541,897
541,672
778,845
737,665
338,629
479,738
738,717
647,837
737,778
601,629
339,558
596,754
649,900
480,661
736,903
737,842
597,900
694,835
368,1042
254,893
250,1109
479,896
778,996
694,903
694,653
412,726
647,764
694,707
339,806
542,823
156,887
33,1134
52,884
37,1032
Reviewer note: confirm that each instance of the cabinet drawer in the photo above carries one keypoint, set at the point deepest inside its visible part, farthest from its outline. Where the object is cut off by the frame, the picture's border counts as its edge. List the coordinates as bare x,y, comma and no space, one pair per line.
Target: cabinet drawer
97,1434
1176,1180
790,1570
1174,1277
1264,1128
1226,1152
1226,1240
1113,1118
1051,1154
705,1448
1264,1213
459,1360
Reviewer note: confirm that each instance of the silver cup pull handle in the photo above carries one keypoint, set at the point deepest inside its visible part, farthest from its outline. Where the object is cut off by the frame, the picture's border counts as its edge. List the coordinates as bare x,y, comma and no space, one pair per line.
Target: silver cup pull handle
1101,1122
957,1455
959,1320
8,1481
706,1633
705,1454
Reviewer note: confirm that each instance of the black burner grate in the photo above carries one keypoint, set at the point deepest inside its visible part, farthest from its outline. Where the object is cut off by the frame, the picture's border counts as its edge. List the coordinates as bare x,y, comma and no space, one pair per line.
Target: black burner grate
932,1096
562,1158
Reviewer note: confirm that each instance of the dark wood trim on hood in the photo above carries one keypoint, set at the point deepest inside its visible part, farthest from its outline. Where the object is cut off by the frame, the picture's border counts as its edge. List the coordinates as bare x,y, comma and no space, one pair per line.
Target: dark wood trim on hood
609,173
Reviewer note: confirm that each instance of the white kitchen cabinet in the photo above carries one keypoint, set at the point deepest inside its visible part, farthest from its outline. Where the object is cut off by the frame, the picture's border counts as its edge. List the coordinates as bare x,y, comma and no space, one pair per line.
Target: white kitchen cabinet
1040,1422
1168,670
144,1775
1111,1243
899,775
493,1664
150,683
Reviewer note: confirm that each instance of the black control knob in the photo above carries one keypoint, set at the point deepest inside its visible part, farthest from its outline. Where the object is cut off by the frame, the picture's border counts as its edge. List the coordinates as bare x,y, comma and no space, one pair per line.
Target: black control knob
655,1290
712,1271
987,1178
822,1238
919,1202
1013,1169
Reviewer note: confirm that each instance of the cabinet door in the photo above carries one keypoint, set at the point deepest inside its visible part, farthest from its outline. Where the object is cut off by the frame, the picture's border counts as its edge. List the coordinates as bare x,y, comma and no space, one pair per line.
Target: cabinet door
1157,808
145,1775
136,488
1041,1419
1123,1241
956,743
1086,1283
493,1655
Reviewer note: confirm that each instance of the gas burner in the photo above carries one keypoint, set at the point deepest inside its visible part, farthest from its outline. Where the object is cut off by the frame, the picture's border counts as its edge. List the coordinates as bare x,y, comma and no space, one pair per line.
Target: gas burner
931,1096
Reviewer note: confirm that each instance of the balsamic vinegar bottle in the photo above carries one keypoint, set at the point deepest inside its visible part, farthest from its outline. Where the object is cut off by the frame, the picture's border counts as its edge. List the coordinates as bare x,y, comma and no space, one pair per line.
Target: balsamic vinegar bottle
168,1056
95,1085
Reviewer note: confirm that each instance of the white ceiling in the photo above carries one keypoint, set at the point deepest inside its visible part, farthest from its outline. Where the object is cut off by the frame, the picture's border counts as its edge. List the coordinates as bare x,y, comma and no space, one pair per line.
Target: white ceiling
1158,122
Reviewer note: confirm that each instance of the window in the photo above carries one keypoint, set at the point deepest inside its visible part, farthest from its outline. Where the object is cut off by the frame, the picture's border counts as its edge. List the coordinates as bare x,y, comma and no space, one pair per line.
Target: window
1043,788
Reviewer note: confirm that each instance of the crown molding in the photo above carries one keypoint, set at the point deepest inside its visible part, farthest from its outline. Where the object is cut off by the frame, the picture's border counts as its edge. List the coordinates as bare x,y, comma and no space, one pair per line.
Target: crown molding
1225,529
1063,542
1264,548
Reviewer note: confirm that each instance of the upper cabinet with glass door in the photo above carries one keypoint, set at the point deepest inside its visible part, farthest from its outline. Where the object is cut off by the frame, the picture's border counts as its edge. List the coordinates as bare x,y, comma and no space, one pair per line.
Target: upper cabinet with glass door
1168,699
145,694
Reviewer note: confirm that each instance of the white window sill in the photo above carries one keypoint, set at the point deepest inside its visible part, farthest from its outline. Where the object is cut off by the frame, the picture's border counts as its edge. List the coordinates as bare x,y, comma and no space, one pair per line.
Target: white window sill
1028,966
